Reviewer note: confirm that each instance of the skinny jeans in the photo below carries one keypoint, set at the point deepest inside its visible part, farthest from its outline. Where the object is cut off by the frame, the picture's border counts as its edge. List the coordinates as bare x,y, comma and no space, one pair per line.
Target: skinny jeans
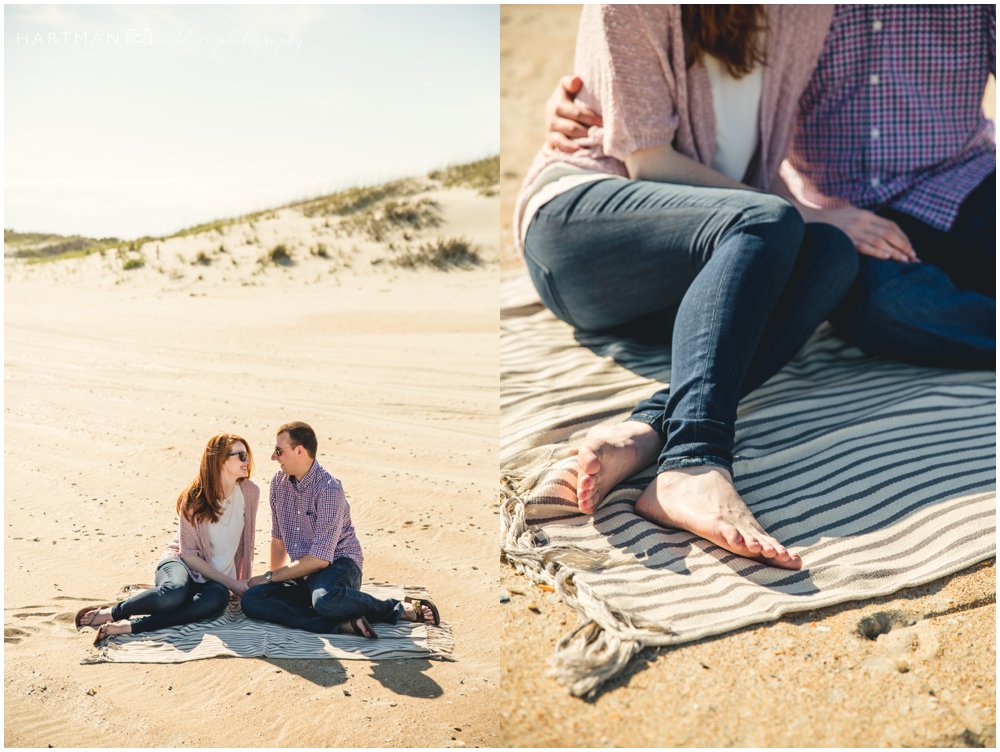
733,281
320,602
175,599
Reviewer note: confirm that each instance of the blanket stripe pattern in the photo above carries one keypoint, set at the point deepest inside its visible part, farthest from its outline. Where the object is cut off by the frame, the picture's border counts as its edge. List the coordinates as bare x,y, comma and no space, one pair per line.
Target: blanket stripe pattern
879,474
234,635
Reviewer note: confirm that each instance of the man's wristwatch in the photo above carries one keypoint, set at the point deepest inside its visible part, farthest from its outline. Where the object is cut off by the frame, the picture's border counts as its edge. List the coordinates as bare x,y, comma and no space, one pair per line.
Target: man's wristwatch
268,575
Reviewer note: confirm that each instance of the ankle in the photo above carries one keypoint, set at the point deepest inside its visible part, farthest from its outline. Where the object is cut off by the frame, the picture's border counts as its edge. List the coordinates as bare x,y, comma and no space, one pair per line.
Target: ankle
711,473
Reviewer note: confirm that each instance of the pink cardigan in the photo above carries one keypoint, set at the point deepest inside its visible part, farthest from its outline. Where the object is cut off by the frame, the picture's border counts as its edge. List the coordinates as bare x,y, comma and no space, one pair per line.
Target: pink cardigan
631,59
193,538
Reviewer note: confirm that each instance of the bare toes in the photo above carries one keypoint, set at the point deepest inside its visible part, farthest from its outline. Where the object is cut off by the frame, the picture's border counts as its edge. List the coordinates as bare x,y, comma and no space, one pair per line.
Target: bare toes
731,535
588,461
753,545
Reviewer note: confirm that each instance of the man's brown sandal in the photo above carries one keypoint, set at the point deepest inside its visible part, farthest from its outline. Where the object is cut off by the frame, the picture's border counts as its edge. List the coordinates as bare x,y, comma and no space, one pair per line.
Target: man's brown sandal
362,628
419,603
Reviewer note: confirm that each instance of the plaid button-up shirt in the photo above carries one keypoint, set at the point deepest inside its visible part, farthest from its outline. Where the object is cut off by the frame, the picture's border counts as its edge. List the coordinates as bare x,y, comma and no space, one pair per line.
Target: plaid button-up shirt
312,516
893,114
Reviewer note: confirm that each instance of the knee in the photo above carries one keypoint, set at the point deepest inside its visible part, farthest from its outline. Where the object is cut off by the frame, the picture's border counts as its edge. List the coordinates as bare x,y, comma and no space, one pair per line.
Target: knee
775,211
777,221
173,594
834,253
326,600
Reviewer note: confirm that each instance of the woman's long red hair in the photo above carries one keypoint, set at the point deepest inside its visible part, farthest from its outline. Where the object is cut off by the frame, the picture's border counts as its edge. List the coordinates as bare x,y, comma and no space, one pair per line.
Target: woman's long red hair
202,500
732,33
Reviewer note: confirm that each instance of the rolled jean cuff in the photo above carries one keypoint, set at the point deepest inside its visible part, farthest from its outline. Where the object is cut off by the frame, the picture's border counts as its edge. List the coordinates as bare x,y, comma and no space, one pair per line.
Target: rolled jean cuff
650,418
675,463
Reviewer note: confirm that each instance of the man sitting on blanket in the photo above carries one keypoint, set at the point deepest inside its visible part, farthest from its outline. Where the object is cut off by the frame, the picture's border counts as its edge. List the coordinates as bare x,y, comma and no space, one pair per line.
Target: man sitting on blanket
315,576
903,160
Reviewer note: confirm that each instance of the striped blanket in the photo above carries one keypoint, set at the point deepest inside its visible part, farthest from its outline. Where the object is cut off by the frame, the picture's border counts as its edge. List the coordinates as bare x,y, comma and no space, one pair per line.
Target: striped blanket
880,475
234,635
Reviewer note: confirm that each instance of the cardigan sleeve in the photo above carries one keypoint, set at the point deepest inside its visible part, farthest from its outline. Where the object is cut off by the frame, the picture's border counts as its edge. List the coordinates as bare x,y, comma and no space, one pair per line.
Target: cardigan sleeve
245,552
624,56
191,543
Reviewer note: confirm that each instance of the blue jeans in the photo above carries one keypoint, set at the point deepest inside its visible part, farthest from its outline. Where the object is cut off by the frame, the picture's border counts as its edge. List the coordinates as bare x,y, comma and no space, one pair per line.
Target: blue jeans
938,313
176,599
321,602
733,280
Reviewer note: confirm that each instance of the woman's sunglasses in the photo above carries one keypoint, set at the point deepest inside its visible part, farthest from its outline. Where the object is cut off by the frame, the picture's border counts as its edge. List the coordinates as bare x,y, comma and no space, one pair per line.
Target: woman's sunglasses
242,455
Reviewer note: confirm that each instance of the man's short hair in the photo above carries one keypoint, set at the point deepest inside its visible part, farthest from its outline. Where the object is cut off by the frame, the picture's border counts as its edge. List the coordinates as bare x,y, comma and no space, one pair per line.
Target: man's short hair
301,434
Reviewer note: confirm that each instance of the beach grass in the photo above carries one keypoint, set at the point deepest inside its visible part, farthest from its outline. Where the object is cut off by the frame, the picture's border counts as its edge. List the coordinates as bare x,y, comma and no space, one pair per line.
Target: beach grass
389,216
279,256
482,175
37,247
442,254
352,200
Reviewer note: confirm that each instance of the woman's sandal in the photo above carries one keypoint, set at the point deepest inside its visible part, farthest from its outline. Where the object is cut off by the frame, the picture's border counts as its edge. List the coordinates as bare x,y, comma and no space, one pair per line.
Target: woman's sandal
102,635
80,623
419,603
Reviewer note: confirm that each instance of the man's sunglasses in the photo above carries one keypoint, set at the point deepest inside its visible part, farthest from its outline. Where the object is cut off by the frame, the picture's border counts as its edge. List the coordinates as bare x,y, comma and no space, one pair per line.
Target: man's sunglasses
278,451
242,455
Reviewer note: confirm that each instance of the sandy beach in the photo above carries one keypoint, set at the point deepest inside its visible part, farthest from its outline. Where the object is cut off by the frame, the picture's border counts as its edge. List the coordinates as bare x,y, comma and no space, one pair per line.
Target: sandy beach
116,377
807,680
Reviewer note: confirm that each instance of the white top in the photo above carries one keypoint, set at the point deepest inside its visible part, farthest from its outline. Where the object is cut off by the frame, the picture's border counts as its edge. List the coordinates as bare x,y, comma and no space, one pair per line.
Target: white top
737,117
225,534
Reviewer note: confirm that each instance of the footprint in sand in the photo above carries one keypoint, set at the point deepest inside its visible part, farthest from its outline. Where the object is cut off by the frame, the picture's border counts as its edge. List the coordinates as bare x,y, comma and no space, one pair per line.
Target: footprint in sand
901,640
16,634
26,621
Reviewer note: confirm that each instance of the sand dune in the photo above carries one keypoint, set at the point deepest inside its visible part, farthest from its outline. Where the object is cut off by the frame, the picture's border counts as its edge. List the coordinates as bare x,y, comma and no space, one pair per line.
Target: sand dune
114,380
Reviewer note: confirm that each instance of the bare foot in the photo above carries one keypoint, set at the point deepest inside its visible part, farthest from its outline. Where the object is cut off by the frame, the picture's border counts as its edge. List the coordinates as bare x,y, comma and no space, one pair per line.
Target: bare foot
410,613
118,627
110,629
704,501
609,455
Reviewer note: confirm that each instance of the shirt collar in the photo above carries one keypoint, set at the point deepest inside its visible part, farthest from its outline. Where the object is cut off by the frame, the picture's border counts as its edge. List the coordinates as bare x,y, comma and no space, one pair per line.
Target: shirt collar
306,480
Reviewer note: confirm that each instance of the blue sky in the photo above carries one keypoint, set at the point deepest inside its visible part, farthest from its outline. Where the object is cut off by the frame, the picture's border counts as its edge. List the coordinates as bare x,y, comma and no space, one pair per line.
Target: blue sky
135,120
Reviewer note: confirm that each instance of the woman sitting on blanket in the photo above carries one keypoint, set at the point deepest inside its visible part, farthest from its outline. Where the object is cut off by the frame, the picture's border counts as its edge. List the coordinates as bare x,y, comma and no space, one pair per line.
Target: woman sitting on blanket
211,555
658,227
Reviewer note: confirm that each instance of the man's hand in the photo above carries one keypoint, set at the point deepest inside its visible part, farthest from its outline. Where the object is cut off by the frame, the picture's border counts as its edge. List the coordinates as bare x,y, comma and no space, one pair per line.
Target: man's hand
256,580
872,235
564,118
239,587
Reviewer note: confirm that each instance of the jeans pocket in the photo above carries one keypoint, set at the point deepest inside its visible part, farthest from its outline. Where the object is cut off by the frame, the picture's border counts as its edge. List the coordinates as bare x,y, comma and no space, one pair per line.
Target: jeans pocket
542,279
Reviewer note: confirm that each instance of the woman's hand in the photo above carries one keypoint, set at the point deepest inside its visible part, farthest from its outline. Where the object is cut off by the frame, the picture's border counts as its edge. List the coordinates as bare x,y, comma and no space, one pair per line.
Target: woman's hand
873,235
239,587
565,119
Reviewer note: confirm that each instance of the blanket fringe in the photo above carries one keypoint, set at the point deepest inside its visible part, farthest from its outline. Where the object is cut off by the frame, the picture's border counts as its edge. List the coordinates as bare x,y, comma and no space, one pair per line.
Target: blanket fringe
607,640
589,656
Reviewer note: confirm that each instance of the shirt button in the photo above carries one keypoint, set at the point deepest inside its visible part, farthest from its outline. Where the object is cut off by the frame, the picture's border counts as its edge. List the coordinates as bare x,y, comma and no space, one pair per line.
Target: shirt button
875,133
873,79
877,25
875,184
